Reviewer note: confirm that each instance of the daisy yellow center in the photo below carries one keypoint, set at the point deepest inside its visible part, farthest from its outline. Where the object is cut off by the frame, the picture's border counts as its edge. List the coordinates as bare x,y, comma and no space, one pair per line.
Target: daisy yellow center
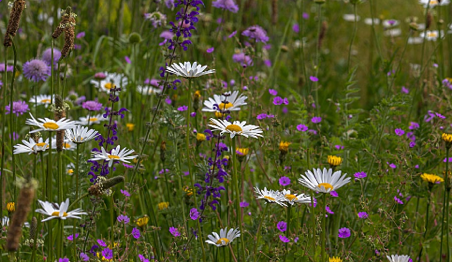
70,171
433,2
326,186
269,198
93,119
45,100
234,128
221,240
66,145
224,106
57,214
41,144
113,157
432,34
50,125
291,197
109,86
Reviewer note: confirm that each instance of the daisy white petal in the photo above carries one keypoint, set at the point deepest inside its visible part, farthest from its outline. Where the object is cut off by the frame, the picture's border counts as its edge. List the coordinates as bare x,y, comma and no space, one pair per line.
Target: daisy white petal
187,70
323,181
224,238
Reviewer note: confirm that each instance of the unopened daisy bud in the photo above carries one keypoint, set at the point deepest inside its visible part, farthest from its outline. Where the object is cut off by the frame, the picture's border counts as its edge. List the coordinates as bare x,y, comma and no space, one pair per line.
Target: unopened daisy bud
163,205
130,127
33,228
429,21
26,196
134,38
414,26
162,151
142,221
11,207
241,153
334,161
14,19
284,147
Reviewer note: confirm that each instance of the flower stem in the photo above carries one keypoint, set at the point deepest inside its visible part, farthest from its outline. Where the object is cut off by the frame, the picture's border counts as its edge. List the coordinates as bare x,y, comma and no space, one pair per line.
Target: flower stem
426,222
3,131
11,131
77,156
323,228
445,198
259,230
236,184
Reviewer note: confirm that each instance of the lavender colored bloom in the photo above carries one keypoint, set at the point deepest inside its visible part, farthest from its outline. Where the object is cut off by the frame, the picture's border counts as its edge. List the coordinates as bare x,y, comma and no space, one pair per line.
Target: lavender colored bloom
284,181
101,243
169,4
278,101
142,258
107,253
47,56
286,101
243,59
316,119
360,175
313,79
399,132
312,131
136,233
128,61
84,257
92,105
363,215
226,4
447,160
8,68
244,204
174,232
261,116
392,165
305,16
210,50
315,202
273,92
100,76
398,200
71,237
302,128
328,210
256,32
344,232
63,260
232,34
194,213
282,226
413,125
412,144
405,90
296,28
19,107
339,147
80,35
36,70
182,108
284,239
125,193
124,219
334,194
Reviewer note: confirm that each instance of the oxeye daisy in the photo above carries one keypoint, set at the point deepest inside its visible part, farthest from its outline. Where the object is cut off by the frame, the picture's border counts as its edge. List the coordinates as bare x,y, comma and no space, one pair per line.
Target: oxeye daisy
433,3
323,181
53,210
111,80
431,35
235,128
148,90
294,198
270,196
229,101
67,144
116,155
90,120
397,258
31,146
187,70
80,134
41,100
49,124
224,238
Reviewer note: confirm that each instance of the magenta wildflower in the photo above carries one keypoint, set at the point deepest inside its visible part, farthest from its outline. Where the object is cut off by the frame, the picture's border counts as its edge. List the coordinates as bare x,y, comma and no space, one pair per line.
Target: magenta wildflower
232,34
339,147
399,132
302,128
405,90
36,70
363,215
315,202
244,204
194,213
273,92
8,68
101,243
125,193
166,35
142,258
360,174
256,32
19,107
92,105
174,232
100,76
296,28
278,101
313,79
344,232
84,257
128,61
261,116
80,35
316,119
210,50
243,59
136,233
124,219
284,181
334,194
282,226
226,4
305,16
71,237
284,239
398,200
392,165
328,210
182,108
413,125
63,260
107,253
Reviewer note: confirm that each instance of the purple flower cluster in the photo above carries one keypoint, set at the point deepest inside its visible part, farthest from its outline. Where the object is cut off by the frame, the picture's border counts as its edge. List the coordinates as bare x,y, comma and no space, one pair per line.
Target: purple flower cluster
123,219
257,33
316,119
226,4
8,68
36,70
431,115
194,214
243,59
279,101
19,107
263,116
447,83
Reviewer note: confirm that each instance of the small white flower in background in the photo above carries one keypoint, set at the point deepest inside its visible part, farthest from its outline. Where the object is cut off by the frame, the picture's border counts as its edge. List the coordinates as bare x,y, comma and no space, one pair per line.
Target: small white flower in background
91,120
187,70
80,134
224,238
431,35
350,17
67,144
397,258
116,155
393,32
433,3
54,211
41,100
390,23
415,40
112,80
368,21
236,128
323,181
148,90
271,196
293,198
31,146
47,124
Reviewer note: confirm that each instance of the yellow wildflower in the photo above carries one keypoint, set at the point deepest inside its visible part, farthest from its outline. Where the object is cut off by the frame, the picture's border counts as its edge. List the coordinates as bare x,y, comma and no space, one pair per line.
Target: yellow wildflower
11,207
432,179
334,160
163,205
130,127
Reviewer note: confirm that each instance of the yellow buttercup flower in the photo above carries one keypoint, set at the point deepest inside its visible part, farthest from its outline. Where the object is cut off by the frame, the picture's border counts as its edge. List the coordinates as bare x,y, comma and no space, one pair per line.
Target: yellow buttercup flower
11,207
163,205
432,179
200,137
284,147
130,127
142,221
335,259
334,160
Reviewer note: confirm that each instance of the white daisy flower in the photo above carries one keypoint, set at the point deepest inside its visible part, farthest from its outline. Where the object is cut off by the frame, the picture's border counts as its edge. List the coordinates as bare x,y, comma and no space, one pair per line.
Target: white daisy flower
5,221
224,238
350,17
70,169
393,32
116,155
53,210
431,35
80,134
110,81
91,120
49,124
236,128
187,70
390,23
293,198
368,21
233,102
323,181
433,3
41,100
67,144
415,40
397,258
270,196
31,146
148,90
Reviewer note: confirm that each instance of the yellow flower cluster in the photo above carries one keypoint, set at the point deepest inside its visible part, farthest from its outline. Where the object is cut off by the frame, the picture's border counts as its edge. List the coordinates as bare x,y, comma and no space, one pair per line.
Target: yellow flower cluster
447,137
163,205
242,151
335,259
334,160
284,147
11,207
142,221
188,190
200,137
433,179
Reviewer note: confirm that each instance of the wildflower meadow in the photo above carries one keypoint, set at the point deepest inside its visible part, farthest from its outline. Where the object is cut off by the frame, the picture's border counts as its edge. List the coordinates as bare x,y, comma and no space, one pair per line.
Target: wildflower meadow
226,130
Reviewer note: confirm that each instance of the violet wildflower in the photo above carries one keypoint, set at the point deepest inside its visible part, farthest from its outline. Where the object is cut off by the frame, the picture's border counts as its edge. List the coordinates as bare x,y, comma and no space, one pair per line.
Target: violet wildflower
261,116
125,193
194,214
296,28
339,147
136,233
8,68
226,5
128,61
166,35
101,243
399,132
312,131
244,204
313,79
268,63
80,35
284,181
316,119
278,101
305,16
405,90
47,56
92,105
284,239
19,107
360,174
302,128
334,194
282,226
174,231
71,237
396,199
363,215
392,165
107,253
123,219
344,232
142,258
413,125
328,210
182,108
273,92
295,239
36,70
84,257
210,50
243,59
256,32
63,260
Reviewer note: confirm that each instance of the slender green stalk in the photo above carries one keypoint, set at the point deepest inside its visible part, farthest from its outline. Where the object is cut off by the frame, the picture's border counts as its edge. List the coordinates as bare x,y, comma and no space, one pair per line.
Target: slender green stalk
323,228
317,55
11,123
235,178
77,157
288,228
258,235
426,221
445,198
355,29
3,111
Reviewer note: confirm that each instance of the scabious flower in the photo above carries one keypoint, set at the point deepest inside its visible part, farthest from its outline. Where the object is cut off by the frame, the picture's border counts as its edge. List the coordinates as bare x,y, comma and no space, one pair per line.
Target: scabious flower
19,107
363,215
282,226
226,4
194,214
224,238
136,233
284,239
174,231
47,56
344,232
257,33
36,70
92,105
284,181
243,59
123,219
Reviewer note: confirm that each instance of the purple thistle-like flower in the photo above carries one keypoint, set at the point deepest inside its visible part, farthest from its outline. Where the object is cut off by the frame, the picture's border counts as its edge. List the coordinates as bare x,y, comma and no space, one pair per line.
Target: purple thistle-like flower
243,59
316,119
244,204
136,233
363,215
8,68
344,232
360,174
124,219
282,226
92,105
284,239
84,257
107,253
47,56
302,128
256,32
36,70
174,231
399,132
226,4
284,181
19,107
194,213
